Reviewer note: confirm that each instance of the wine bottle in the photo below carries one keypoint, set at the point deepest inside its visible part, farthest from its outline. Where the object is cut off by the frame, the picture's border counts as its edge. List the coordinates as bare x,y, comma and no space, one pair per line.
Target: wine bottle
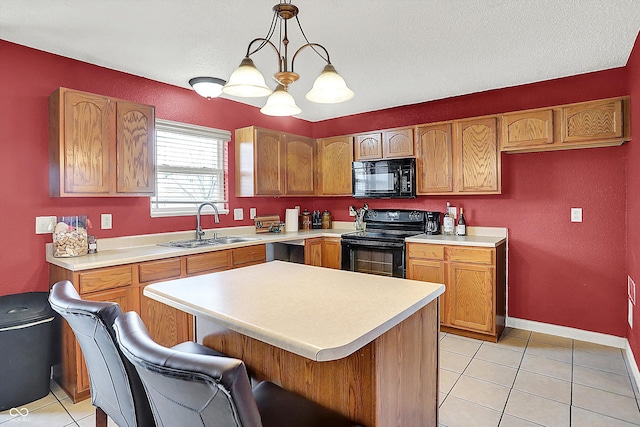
462,225
447,221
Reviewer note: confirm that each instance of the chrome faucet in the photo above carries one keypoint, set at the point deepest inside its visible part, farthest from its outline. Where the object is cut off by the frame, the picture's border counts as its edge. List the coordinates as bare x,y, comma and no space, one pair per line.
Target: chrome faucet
199,232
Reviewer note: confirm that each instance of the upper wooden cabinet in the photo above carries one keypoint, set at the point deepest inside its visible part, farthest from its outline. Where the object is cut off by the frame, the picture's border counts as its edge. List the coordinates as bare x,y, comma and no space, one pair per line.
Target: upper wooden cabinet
527,129
459,157
272,163
478,158
392,143
434,159
334,166
100,146
599,123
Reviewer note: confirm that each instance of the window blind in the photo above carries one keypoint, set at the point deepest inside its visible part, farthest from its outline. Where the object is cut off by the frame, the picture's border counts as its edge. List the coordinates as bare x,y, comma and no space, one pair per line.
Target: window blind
190,168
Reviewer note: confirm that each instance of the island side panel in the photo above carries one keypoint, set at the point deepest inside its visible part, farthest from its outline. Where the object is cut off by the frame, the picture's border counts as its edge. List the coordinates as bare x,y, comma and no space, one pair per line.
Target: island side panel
390,382
407,358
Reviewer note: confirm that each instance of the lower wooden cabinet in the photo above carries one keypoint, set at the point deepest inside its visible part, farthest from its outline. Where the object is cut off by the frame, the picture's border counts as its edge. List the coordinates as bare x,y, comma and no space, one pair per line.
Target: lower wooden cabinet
125,285
474,302
323,252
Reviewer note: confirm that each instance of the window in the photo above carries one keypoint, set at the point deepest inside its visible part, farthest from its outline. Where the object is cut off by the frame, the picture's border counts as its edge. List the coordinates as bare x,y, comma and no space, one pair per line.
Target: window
191,168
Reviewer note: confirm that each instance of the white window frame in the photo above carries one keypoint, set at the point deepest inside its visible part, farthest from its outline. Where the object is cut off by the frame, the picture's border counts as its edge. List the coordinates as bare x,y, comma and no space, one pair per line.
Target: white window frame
189,129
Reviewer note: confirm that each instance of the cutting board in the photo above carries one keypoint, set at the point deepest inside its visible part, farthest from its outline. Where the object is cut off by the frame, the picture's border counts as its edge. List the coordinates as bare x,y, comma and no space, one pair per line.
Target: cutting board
263,223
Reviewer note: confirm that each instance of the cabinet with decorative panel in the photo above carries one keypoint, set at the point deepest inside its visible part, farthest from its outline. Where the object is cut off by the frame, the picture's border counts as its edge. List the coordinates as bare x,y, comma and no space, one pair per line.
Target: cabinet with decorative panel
272,163
332,252
334,166
392,143
313,251
474,303
434,159
476,155
99,146
527,129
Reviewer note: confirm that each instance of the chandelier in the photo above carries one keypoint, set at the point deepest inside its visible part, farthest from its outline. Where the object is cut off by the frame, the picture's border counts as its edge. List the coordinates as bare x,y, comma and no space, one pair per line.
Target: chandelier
247,81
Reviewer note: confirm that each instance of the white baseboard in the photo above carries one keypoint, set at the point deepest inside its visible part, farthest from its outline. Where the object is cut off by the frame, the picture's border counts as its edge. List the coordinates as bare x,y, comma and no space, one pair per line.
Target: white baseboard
564,331
582,335
633,366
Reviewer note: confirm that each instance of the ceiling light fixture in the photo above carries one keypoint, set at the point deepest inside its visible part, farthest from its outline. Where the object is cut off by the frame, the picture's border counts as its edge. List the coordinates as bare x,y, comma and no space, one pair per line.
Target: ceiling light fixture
207,87
247,81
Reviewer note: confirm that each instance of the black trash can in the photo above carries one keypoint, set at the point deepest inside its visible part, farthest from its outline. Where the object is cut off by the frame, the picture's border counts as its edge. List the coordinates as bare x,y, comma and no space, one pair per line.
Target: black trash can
27,328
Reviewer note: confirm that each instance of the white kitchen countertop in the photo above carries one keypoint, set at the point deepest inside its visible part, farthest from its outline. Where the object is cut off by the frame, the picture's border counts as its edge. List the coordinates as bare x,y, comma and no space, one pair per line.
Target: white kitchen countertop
318,313
477,236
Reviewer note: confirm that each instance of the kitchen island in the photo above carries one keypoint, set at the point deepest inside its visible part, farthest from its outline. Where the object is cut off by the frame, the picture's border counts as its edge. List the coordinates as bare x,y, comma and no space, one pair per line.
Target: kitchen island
366,346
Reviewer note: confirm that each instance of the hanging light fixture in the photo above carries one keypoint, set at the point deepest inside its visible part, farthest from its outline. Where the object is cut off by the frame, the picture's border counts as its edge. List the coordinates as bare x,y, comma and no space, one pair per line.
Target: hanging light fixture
207,87
247,81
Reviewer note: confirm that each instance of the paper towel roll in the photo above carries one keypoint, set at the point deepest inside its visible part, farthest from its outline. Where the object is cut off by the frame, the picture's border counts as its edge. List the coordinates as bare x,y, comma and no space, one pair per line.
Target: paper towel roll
291,220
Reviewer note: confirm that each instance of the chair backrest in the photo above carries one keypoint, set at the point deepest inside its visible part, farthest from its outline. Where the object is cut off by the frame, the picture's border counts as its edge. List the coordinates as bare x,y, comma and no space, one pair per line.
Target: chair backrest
115,385
188,389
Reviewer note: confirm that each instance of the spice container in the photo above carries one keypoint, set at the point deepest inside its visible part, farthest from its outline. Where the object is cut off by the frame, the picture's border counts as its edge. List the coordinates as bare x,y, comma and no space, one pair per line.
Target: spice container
306,220
326,219
70,236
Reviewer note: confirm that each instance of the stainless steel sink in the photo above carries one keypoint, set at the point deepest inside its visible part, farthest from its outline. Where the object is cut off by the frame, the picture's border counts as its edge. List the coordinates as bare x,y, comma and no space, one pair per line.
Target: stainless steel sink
194,243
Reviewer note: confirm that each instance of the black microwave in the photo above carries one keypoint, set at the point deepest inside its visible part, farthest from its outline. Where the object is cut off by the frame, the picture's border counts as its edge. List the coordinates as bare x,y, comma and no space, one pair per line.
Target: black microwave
394,178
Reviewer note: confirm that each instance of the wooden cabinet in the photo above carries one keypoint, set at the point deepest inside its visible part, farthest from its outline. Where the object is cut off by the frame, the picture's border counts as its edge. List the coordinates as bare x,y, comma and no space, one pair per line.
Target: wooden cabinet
332,252
474,302
323,252
367,146
392,143
334,166
434,162
478,158
527,129
125,285
313,251
459,157
599,123
99,146
272,163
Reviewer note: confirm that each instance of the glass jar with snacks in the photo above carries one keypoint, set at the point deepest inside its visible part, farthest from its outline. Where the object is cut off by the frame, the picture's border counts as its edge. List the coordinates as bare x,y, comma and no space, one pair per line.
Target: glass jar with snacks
70,236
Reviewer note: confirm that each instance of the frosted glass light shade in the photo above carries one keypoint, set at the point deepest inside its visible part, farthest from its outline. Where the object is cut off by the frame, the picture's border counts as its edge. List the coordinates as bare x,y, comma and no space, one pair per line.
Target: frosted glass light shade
207,87
329,88
280,103
246,81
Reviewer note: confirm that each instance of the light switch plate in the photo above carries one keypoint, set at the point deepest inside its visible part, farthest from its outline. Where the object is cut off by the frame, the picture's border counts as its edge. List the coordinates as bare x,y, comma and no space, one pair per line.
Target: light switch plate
45,224
631,289
630,318
576,214
238,214
106,221
252,213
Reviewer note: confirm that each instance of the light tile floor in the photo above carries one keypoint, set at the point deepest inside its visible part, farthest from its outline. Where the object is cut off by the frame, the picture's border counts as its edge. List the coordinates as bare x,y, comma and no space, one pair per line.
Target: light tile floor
530,379
527,379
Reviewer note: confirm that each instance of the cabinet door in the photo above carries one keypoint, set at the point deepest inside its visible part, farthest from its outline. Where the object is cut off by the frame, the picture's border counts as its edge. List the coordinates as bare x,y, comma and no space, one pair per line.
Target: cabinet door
313,251
124,298
249,255
331,252
430,271
300,165
527,129
478,163
397,143
89,123
368,147
135,145
434,161
470,303
269,178
208,262
592,121
334,166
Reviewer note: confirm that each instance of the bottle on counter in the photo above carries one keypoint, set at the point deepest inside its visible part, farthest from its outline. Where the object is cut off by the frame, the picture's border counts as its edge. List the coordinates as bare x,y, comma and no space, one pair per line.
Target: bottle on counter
448,222
462,225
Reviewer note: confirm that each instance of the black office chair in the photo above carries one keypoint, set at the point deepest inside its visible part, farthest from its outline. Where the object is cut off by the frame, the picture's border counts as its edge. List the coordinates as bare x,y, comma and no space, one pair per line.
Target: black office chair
196,390
116,390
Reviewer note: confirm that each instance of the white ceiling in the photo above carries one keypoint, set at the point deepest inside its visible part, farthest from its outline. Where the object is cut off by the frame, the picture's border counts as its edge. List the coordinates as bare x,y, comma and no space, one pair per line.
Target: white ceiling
390,52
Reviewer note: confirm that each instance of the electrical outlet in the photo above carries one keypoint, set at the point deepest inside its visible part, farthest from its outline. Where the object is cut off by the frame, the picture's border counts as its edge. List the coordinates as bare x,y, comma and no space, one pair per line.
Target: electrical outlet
106,221
352,212
576,214
252,213
238,214
45,224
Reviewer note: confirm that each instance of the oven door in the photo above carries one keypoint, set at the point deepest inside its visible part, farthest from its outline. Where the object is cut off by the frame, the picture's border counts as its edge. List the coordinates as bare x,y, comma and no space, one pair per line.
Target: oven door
373,257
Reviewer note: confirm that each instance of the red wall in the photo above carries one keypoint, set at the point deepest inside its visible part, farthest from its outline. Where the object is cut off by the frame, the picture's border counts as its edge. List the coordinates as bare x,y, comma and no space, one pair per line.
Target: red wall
633,194
559,272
